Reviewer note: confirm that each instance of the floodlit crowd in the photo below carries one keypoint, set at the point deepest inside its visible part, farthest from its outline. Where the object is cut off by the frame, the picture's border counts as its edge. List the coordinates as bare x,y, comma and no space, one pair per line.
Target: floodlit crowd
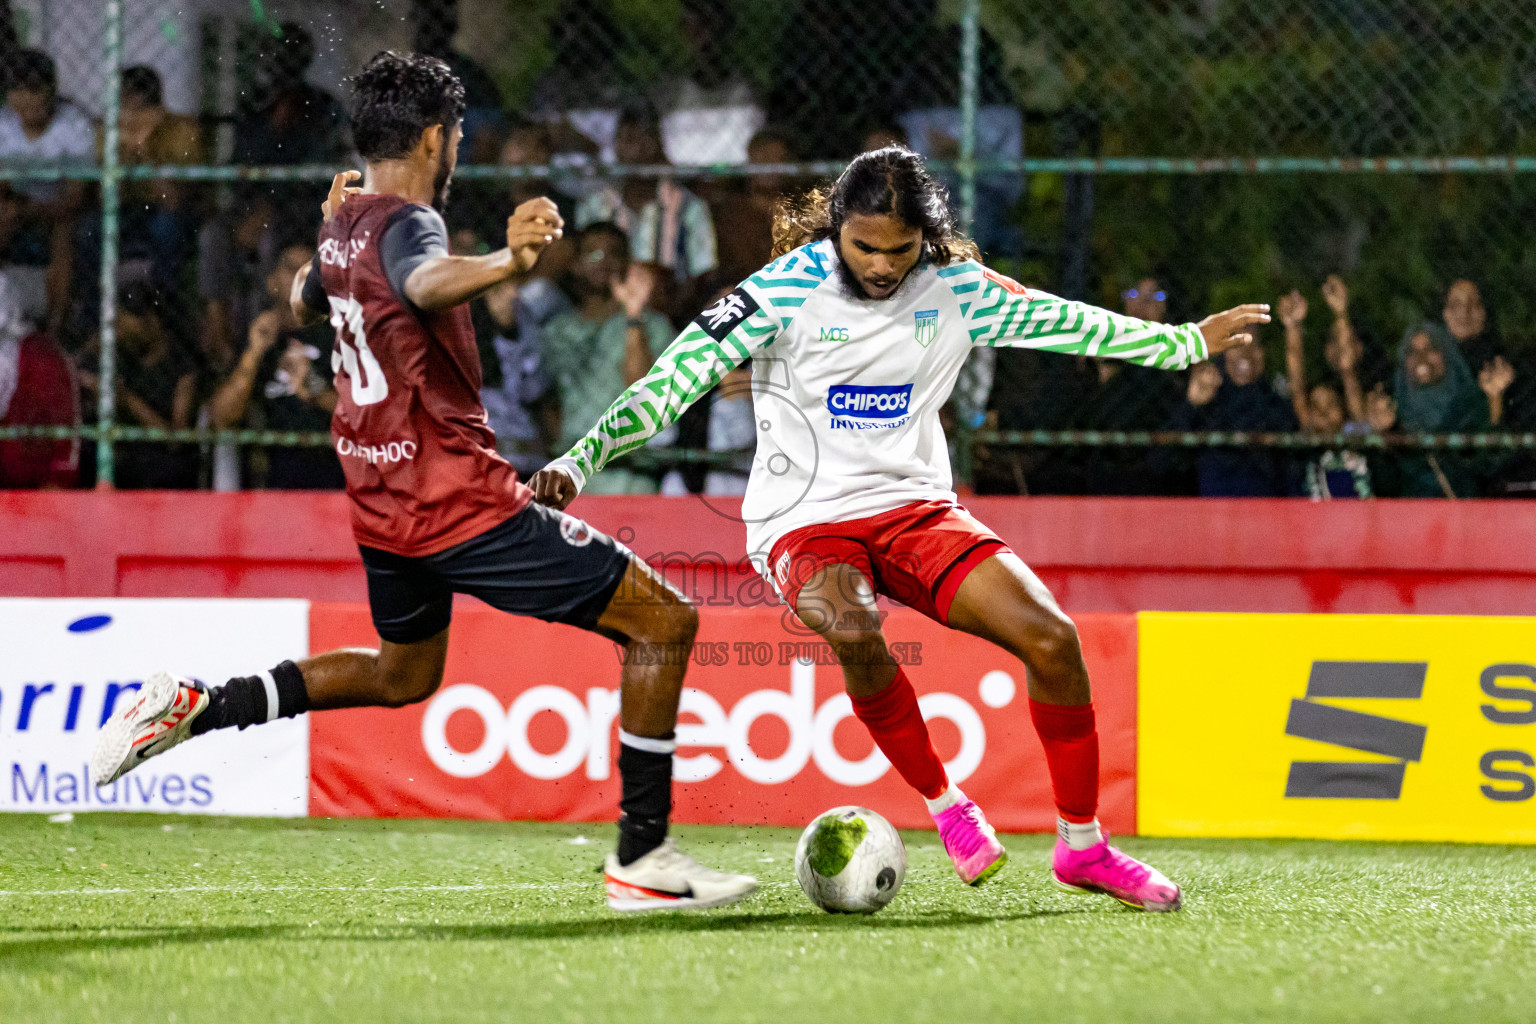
205,337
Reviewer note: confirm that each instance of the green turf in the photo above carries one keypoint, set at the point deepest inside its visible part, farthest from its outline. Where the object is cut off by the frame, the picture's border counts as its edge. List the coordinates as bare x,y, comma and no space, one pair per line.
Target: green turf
139,918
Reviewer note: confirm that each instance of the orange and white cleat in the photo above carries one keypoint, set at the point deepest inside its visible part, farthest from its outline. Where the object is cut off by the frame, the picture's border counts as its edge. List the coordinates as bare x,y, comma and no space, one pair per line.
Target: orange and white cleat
668,879
158,719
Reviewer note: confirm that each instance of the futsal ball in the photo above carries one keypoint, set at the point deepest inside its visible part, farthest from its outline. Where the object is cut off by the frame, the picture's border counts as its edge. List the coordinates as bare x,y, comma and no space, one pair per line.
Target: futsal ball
850,861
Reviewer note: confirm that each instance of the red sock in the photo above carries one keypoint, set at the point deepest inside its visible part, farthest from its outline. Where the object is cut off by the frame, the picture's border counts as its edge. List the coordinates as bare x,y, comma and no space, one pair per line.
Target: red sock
901,734
1072,751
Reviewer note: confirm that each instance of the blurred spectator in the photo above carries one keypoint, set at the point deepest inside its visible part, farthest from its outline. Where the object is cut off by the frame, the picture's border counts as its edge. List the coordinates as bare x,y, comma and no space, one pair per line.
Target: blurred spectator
1122,396
156,387
157,229
437,23
1232,394
1373,365
1320,409
732,428
235,251
606,344
286,369
288,121
744,214
1435,392
882,135
1467,320
529,144
519,397
39,129
666,224
709,115
37,389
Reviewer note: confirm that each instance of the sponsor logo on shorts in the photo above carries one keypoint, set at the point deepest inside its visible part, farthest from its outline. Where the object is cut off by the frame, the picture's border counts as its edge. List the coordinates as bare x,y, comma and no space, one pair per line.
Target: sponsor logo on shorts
388,452
834,334
721,318
781,569
869,406
575,532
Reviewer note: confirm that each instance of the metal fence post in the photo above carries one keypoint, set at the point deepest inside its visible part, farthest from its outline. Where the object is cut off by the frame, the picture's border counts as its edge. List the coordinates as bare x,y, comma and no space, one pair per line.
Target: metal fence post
970,69
970,44
111,176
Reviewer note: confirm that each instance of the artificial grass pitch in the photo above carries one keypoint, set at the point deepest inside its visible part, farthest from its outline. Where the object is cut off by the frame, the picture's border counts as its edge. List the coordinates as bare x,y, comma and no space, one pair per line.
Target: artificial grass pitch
129,918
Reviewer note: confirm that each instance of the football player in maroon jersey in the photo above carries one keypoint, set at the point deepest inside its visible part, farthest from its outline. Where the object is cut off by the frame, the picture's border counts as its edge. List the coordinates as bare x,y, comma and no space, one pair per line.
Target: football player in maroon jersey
435,510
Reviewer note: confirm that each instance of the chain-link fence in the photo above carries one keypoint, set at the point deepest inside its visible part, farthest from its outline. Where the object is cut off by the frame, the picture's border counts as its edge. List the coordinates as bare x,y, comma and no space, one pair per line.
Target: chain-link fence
161,167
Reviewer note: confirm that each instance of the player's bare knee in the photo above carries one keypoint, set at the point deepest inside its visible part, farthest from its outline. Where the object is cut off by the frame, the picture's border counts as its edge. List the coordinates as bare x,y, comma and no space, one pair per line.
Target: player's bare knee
397,689
676,622
1054,641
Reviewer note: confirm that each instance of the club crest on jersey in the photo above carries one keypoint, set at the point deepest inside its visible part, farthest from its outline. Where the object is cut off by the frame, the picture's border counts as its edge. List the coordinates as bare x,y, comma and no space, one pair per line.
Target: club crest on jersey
729,310
575,532
927,326
869,406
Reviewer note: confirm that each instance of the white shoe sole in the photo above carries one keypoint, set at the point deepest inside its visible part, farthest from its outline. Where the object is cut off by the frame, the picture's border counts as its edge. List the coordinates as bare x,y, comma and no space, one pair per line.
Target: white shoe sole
109,758
631,906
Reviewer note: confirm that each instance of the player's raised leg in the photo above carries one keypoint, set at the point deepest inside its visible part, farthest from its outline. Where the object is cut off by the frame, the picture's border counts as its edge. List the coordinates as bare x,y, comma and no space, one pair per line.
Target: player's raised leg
1004,602
647,872
838,602
169,709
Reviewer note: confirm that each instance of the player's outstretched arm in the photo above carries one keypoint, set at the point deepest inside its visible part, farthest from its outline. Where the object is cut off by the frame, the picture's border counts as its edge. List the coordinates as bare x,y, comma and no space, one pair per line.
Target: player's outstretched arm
1000,312
719,340
446,281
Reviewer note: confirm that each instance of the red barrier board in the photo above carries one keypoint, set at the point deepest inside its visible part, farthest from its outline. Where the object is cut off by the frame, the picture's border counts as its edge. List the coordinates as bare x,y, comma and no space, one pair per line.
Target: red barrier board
525,726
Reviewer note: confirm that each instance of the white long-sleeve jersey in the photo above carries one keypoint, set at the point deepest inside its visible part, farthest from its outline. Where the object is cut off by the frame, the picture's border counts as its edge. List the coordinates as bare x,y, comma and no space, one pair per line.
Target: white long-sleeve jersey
847,390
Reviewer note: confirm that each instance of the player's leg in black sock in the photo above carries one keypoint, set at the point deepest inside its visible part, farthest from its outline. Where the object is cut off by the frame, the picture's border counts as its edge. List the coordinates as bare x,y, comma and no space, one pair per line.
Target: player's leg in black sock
395,675
657,624
250,700
645,768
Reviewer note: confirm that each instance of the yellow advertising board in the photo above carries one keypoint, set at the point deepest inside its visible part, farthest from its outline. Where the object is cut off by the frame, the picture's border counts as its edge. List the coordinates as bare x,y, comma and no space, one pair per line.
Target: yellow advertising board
1337,726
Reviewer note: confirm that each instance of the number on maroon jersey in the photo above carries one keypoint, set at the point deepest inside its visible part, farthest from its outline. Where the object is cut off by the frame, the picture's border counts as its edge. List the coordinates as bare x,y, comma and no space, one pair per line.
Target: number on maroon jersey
353,355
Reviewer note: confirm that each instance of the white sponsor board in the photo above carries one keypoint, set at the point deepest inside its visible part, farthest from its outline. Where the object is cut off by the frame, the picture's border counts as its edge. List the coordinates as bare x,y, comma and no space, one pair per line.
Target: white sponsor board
64,664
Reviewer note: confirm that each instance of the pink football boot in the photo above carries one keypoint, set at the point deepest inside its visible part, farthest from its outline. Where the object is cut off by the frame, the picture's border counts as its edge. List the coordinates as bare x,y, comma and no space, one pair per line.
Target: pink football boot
1103,869
970,842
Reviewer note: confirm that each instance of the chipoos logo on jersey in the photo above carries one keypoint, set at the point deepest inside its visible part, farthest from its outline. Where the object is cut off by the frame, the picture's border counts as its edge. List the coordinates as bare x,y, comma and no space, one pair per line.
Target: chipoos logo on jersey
869,406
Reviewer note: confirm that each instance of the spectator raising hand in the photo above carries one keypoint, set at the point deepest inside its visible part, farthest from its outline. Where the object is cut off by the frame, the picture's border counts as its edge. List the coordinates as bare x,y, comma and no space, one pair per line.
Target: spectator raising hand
1494,379
1204,382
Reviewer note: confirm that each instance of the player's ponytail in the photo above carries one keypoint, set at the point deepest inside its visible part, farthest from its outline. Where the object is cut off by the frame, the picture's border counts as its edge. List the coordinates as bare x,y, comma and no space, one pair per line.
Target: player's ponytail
892,181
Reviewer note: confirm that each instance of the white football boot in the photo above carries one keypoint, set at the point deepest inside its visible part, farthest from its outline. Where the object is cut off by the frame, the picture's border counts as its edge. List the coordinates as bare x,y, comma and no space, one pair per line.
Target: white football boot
159,718
668,879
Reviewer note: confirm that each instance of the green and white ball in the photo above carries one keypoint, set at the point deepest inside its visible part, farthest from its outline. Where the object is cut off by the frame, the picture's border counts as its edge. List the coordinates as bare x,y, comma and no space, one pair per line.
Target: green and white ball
850,861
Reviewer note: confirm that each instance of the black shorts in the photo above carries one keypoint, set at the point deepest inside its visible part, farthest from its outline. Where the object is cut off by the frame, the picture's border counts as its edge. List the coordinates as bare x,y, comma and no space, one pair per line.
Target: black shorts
540,562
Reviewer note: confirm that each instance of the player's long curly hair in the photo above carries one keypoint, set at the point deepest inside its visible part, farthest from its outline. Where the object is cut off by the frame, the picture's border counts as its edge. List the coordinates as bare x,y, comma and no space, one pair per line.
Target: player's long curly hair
893,181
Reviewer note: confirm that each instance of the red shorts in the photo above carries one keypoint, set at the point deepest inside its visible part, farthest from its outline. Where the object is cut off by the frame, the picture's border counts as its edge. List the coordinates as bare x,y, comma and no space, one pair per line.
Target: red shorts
918,554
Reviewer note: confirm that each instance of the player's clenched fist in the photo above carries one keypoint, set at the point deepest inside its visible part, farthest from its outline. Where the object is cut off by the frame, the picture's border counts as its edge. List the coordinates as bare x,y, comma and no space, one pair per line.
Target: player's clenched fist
532,226
553,488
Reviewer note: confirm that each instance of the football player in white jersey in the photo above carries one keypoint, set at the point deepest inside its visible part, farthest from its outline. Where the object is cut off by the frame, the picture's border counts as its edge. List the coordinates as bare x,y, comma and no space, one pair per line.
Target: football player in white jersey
857,333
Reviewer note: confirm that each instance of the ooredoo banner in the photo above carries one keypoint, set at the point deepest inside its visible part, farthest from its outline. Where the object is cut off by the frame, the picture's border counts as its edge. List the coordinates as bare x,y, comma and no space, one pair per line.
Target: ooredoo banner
525,725
68,663
1338,726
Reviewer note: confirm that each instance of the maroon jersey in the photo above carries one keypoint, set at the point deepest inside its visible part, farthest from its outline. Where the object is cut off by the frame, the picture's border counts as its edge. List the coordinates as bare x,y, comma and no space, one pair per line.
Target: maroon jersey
420,461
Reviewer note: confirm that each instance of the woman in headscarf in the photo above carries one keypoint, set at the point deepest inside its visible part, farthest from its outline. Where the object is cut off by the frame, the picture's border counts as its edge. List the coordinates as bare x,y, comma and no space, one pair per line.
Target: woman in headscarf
1437,393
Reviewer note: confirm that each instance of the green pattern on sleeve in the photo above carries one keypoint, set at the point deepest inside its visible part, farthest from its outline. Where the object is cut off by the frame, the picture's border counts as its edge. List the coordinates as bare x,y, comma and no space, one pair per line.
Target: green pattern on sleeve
695,362
692,365
1000,317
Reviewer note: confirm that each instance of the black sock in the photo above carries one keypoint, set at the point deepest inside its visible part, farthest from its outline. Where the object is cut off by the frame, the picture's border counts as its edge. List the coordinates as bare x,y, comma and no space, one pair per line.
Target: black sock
647,801
244,701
